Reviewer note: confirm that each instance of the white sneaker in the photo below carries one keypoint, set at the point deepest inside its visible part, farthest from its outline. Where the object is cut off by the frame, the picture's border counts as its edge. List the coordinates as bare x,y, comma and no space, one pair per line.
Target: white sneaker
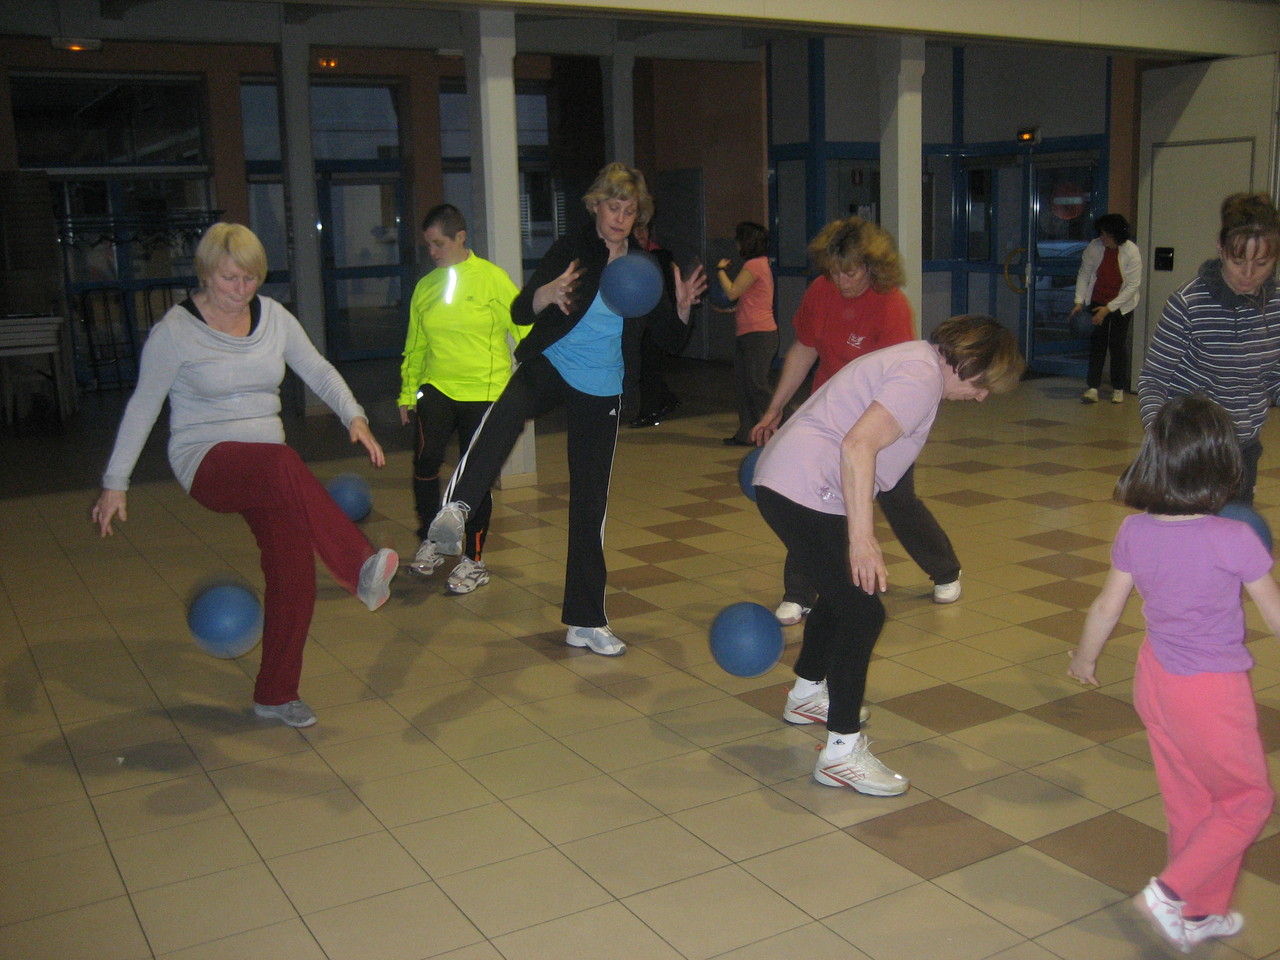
295,713
1117,396
449,528
467,575
1164,914
597,639
789,613
374,586
859,770
947,592
814,709
1089,396
1214,925
426,559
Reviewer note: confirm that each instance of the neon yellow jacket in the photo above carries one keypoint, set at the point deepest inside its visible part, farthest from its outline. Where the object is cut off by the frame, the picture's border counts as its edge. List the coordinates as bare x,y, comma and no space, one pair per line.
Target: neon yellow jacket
459,320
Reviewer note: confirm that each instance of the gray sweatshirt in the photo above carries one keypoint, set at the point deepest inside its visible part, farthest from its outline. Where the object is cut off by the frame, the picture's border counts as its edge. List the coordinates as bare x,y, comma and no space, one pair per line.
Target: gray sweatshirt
220,388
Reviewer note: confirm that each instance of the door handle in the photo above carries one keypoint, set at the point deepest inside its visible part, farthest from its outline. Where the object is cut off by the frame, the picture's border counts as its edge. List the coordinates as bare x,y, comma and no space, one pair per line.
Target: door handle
1008,275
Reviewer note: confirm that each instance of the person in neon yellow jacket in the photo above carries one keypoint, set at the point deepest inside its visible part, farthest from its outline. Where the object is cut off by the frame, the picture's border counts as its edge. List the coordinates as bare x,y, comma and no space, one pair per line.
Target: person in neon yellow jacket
457,359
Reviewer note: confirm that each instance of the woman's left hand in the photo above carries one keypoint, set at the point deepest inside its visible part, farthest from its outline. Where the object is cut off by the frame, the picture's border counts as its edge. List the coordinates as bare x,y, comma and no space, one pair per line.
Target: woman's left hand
688,292
361,434
866,563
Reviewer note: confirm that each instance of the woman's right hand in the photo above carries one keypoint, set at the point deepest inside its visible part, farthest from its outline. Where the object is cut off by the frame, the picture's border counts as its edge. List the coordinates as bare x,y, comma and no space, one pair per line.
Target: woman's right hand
767,427
559,291
866,563
404,415
111,504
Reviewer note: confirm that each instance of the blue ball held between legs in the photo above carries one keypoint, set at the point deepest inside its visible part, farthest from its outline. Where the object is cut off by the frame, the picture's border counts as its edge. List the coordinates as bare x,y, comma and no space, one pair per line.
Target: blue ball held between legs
226,620
747,473
1238,511
631,286
1082,324
351,492
746,639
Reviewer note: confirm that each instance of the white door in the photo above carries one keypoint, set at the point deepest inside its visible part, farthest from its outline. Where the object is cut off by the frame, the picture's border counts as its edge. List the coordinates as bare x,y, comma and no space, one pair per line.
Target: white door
1207,131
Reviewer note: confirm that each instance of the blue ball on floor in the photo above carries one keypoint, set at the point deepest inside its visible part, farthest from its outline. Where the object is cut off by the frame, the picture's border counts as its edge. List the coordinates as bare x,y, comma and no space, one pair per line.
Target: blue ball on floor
631,285
226,620
1245,514
746,639
747,473
351,492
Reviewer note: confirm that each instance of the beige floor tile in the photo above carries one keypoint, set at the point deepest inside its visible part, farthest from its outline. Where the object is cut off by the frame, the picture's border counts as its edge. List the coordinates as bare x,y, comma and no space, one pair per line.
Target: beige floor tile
288,940
292,825
208,908
1022,740
1101,774
1028,891
643,856
128,813
288,777
753,823
781,754
479,734
829,873
685,781
46,831
106,930
183,852
943,765
664,692
422,794
51,884
581,809
813,941
1024,806
714,912
718,721
922,921
607,932
587,708
346,871
535,888
461,841
529,769
384,755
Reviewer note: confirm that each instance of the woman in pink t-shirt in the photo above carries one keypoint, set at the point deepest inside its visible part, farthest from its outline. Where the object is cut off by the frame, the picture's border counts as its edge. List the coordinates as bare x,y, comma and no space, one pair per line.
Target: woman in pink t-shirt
814,484
756,343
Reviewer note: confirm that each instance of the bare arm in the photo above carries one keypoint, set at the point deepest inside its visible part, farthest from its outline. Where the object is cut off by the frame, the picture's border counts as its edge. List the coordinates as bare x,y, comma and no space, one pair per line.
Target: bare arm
795,368
1266,596
733,289
1104,612
873,431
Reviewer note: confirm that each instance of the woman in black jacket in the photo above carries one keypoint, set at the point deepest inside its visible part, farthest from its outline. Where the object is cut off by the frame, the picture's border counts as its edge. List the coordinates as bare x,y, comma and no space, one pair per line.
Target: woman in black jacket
573,356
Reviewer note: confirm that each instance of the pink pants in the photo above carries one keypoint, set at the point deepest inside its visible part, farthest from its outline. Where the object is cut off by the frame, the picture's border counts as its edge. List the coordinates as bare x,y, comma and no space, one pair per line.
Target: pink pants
1208,755
293,518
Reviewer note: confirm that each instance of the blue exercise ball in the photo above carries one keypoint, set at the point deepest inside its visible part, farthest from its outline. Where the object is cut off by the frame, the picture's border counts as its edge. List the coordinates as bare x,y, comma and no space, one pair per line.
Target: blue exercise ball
1082,324
351,492
226,620
715,294
746,639
747,473
631,286
1250,516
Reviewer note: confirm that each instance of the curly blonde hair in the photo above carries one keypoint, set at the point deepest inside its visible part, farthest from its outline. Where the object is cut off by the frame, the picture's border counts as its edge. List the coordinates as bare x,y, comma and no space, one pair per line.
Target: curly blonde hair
617,181
842,245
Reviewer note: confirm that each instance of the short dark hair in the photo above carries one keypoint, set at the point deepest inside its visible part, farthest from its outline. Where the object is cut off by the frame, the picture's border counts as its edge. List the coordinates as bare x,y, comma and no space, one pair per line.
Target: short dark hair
1189,461
1114,225
978,348
752,239
447,217
1246,217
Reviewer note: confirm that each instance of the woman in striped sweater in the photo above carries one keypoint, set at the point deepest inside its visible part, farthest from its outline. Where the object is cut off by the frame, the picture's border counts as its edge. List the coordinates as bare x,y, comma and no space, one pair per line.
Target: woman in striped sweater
1219,335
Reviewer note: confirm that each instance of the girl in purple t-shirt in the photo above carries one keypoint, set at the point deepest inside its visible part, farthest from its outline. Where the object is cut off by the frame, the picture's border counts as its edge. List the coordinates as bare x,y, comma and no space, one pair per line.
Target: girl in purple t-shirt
1191,687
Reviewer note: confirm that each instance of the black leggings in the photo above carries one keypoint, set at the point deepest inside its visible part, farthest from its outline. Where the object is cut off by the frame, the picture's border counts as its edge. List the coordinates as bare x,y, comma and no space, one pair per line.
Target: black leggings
841,630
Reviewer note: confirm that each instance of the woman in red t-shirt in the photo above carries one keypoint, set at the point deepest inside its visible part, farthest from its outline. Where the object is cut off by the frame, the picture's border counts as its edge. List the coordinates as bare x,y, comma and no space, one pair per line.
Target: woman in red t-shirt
854,306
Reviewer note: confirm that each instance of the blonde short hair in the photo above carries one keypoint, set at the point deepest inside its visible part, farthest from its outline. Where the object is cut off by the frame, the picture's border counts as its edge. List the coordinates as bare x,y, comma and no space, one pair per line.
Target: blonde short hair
852,242
617,181
234,242
979,349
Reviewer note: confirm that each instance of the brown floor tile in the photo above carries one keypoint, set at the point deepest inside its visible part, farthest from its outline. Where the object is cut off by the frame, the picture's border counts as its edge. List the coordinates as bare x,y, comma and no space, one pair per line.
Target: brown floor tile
645,575
946,708
1048,468
1066,565
1269,725
974,442
1263,858
1065,593
1053,501
627,605
1061,540
967,498
663,552
710,508
683,529
932,838
1061,626
517,522
542,504
1044,443
970,466
1109,444
1112,848
1090,714
1039,423
721,491
770,700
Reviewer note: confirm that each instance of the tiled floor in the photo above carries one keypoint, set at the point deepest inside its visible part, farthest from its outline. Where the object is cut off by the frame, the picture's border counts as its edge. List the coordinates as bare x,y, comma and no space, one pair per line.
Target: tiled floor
476,790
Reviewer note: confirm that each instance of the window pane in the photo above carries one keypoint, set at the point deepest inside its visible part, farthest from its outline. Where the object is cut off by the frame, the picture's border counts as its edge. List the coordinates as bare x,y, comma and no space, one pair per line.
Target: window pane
531,119
260,107
354,123
106,120
266,219
455,124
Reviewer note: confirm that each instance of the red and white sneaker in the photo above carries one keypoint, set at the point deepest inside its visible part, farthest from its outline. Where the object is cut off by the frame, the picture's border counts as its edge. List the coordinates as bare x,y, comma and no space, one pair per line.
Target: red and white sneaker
814,709
859,770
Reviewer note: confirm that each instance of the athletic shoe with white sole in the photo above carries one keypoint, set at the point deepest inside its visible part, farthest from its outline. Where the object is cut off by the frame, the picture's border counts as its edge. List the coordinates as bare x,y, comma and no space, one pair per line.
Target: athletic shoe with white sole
859,770
449,528
1117,396
426,560
1212,926
376,575
1164,914
596,639
789,613
467,575
295,713
947,592
814,709
1089,396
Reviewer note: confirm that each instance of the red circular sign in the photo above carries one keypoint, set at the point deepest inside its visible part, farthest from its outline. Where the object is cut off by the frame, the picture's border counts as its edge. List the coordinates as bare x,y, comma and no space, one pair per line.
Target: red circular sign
1069,200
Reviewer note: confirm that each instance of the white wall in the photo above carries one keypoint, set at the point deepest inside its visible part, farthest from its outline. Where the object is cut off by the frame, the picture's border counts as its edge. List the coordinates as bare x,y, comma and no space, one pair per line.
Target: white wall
1061,90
